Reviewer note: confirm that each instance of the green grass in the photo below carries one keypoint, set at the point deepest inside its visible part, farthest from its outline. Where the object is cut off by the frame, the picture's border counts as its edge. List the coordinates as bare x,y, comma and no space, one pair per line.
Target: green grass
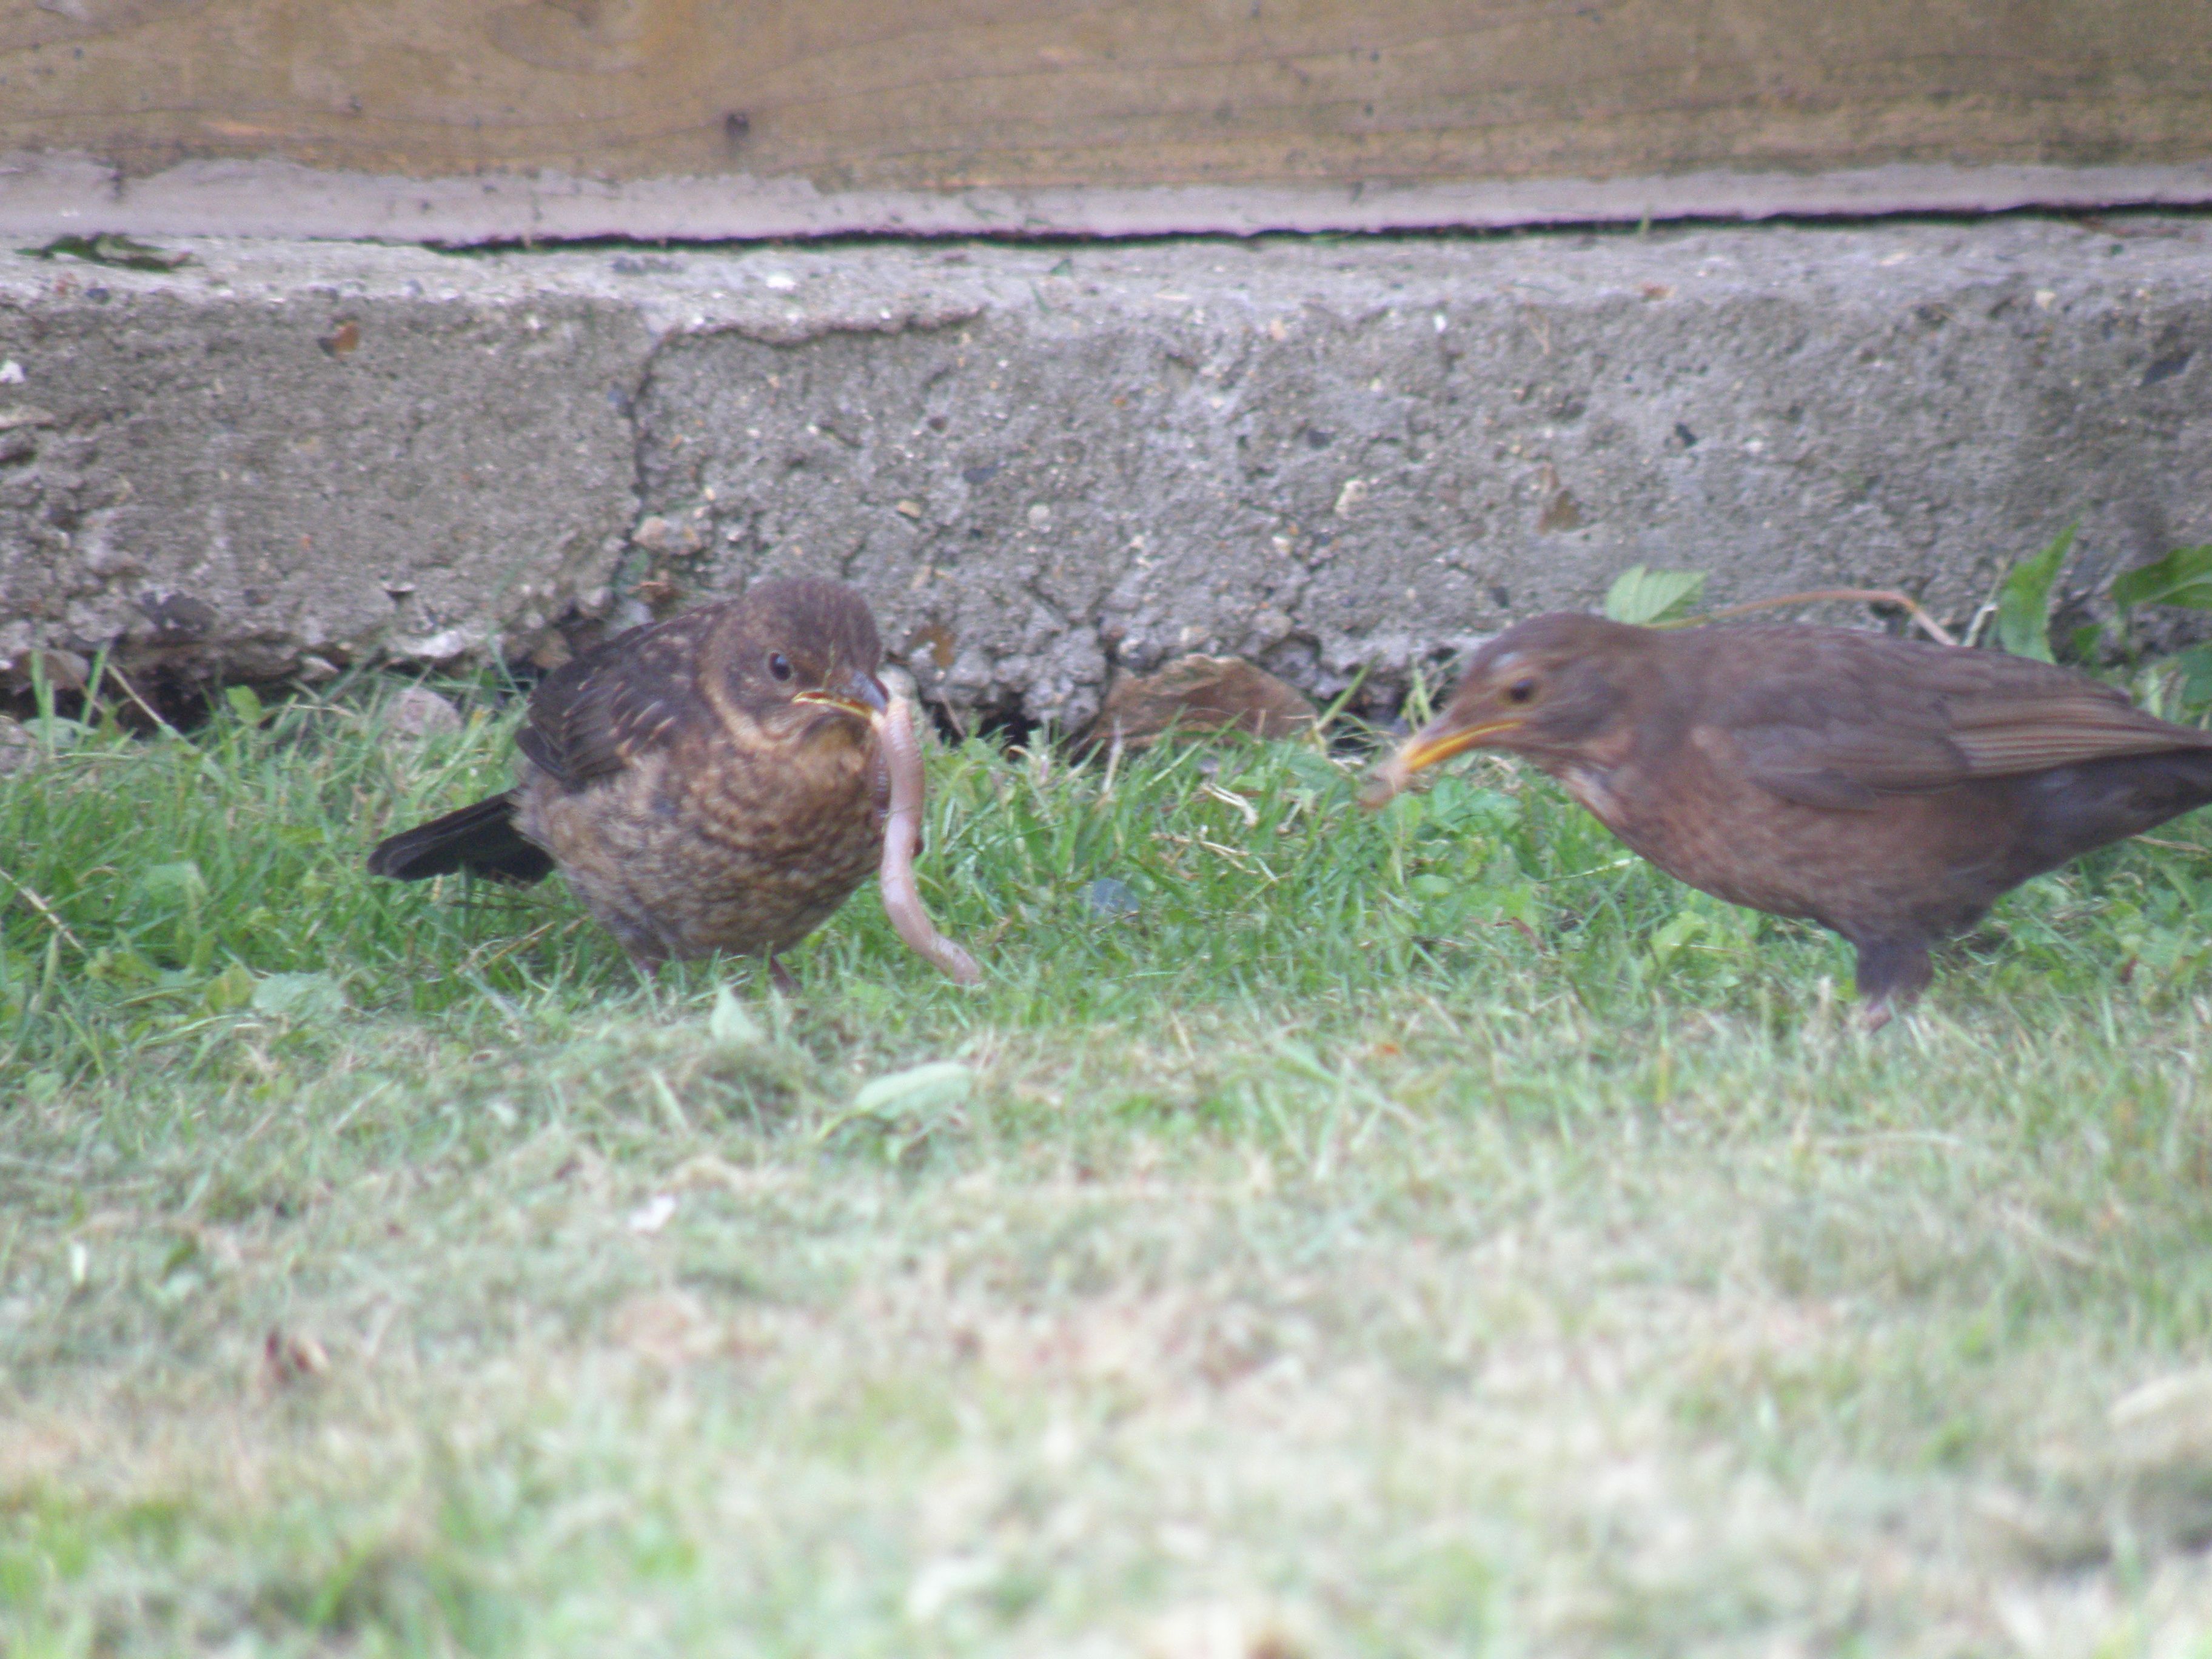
1426,1233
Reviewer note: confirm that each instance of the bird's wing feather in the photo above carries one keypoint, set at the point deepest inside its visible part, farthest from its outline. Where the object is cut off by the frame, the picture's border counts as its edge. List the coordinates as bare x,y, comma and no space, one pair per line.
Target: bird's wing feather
602,712
2060,731
1861,717
1845,768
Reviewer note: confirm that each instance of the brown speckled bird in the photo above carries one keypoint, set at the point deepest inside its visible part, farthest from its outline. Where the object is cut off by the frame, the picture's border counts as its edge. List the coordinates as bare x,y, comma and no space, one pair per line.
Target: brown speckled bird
711,782
1887,789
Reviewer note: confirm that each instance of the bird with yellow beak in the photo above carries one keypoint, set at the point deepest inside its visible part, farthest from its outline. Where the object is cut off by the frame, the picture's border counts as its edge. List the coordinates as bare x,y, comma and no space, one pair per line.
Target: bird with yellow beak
1888,789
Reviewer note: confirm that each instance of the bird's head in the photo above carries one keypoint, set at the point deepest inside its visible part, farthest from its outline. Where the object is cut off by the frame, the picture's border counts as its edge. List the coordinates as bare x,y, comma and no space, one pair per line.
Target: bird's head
1547,688
804,655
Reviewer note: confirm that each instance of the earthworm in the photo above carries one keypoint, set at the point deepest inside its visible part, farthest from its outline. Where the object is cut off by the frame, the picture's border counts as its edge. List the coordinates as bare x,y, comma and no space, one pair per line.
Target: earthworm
902,840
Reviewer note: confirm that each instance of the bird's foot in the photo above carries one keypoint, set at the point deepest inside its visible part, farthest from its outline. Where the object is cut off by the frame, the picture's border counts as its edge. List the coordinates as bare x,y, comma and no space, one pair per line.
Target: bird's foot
1892,973
780,976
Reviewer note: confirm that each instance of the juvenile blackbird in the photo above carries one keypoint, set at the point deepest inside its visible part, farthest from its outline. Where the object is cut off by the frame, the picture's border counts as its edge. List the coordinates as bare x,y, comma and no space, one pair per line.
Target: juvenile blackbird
709,782
1887,789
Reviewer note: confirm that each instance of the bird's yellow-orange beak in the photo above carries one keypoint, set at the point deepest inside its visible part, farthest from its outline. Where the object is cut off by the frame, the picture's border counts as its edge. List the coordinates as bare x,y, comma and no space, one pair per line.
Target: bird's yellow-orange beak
859,694
1439,740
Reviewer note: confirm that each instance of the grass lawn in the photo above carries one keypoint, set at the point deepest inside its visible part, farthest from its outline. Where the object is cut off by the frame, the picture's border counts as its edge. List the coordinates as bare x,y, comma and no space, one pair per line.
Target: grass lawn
1429,1233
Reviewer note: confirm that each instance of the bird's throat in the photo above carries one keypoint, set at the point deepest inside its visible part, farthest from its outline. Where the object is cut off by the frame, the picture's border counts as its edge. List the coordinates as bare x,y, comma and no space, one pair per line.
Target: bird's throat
1592,788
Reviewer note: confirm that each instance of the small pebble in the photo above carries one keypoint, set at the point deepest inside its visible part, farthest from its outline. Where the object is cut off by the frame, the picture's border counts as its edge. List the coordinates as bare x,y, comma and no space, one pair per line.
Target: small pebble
1108,897
18,749
419,712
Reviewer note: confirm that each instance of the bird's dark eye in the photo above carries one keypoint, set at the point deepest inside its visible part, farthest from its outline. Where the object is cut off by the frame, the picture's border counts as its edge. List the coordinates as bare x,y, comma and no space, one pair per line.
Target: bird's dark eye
779,664
1521,691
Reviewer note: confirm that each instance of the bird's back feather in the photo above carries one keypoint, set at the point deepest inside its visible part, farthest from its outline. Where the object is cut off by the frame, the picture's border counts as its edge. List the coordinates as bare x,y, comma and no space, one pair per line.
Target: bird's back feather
1846,717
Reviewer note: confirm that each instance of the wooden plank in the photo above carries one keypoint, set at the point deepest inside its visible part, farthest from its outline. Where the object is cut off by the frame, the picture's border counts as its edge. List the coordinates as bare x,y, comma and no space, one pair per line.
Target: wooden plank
860,101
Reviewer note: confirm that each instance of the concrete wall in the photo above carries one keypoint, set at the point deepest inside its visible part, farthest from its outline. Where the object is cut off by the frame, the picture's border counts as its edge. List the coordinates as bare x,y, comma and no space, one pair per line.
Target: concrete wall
1321,454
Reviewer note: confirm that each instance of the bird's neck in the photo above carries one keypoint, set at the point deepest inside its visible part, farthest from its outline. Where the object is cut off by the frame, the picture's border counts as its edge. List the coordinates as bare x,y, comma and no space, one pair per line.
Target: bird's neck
1592,774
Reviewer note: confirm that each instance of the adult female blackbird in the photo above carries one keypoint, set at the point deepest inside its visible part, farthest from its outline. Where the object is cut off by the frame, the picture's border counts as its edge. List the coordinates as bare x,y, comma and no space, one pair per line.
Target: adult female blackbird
1884,788
711,782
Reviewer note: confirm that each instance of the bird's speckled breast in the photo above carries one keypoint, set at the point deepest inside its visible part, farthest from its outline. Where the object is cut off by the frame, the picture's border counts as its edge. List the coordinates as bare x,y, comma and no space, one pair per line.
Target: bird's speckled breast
747,853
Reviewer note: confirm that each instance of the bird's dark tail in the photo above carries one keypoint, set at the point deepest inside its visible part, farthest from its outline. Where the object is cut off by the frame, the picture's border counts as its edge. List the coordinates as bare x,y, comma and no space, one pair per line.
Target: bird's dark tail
480,839
2074,808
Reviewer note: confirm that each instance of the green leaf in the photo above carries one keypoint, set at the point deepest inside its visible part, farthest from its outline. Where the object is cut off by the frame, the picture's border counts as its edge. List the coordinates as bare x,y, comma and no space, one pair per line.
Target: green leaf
2084,643
58,734
2183,577
1461,809
1318,773
2195,666
2024,599
919,1090
299,996
906,1107
232,988
244,703
1679,930
181,881
1639,594
111,966
730,1023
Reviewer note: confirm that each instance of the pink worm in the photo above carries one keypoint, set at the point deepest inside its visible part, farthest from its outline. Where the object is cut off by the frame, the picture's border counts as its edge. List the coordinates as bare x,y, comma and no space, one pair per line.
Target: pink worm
902,840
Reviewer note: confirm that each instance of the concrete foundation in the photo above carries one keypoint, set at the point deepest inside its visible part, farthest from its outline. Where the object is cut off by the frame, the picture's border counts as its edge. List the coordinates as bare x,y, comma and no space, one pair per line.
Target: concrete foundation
1034,459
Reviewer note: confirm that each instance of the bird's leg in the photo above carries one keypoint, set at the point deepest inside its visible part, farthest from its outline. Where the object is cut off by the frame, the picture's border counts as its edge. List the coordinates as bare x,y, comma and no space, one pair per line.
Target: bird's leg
1892,973
780,975
644,947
